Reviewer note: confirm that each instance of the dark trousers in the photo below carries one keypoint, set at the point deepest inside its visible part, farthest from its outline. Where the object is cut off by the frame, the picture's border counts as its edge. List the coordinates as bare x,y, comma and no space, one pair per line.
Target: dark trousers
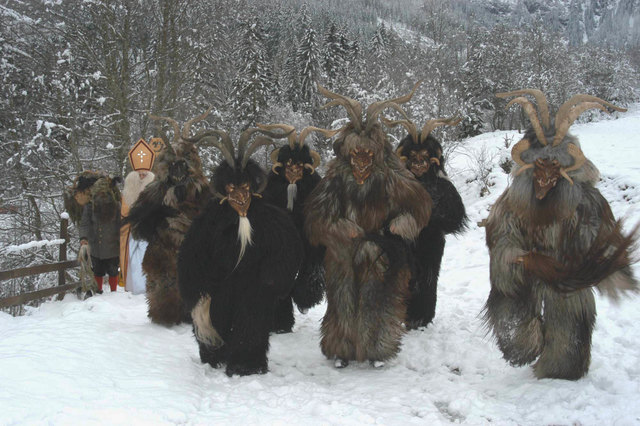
105,266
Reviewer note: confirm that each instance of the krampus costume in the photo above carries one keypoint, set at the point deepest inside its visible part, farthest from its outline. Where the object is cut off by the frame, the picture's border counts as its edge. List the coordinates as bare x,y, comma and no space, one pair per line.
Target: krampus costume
239,256
100,228
90,202
551,237
161,216
422,154
292,178
363,211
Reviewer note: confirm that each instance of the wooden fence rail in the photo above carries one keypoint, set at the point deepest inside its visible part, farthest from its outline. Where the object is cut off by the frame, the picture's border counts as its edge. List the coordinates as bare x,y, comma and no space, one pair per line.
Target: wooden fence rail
61,266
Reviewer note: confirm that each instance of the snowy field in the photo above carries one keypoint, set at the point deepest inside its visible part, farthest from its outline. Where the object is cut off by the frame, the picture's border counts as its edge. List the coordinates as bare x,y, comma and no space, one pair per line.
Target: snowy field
102,362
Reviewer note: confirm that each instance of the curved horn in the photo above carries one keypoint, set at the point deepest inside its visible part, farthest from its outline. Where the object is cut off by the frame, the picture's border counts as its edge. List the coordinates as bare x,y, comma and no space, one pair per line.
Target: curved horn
541,101
316,161
399,154
257,143
274,160
289,130
432,124
407,124
516,154
327,133
187,126
219,139
377,107
533,117
568,113
353,107
174,124
578,161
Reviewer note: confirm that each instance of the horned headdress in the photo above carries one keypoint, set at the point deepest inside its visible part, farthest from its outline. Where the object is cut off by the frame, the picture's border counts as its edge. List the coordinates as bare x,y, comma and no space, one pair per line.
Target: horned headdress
552,137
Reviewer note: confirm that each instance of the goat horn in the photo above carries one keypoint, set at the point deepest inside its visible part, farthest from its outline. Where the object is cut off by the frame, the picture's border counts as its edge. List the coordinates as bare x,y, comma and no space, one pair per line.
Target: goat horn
541,101
274,160
221,140
575,106
578,161
399,154
174,124
187,126
377,107
353,107
316,161
432,124
327,133
257,143
530,109
289,130
407,124
516,154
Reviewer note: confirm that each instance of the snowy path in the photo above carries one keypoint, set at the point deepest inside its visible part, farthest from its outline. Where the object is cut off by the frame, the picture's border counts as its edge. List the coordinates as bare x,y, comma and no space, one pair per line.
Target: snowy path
102,361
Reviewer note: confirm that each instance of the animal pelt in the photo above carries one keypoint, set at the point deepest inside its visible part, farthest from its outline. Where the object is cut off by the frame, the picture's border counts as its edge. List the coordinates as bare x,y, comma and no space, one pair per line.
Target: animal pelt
364,316
232,303
79,193
161,216
308,290
552,240
448,216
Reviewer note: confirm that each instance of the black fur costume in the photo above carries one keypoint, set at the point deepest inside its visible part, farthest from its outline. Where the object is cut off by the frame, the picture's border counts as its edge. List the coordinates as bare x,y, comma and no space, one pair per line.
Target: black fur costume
447,217
308,290
229,287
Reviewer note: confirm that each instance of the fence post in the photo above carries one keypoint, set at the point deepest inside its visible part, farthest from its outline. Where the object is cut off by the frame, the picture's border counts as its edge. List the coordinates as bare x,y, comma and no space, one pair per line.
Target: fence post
64,235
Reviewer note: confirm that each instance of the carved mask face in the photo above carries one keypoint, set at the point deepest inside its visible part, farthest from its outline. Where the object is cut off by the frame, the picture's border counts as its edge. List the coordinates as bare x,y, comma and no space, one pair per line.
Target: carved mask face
293,171
361,164
419,162
239,197
545,176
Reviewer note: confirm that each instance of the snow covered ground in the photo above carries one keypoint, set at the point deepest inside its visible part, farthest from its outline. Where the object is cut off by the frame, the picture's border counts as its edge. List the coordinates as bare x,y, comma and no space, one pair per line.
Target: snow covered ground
102,362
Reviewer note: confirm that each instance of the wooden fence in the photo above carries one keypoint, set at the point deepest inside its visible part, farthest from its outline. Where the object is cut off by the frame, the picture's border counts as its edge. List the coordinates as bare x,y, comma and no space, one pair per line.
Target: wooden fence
61,266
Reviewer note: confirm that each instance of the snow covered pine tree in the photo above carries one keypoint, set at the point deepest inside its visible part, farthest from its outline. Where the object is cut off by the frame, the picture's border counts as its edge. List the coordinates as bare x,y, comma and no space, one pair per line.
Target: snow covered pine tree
551,238
422,154
239,256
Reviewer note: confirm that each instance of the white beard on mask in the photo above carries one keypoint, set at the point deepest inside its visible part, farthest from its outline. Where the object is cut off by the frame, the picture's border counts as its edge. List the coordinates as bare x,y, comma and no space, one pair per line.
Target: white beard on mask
292,191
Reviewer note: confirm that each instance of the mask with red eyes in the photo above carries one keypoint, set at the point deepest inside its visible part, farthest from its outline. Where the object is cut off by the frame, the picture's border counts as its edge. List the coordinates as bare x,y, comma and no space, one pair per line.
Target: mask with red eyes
361,164
239,197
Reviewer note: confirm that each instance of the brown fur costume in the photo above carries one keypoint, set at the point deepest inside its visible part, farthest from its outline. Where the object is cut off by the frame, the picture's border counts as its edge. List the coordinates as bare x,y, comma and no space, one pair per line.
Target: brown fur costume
363,211
551,237
162,215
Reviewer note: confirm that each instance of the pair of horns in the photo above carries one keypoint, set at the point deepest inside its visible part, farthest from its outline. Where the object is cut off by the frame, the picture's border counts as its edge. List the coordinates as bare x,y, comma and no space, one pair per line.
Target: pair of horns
354,108
426,129
221,140
297,139
574,151
566,115
181,134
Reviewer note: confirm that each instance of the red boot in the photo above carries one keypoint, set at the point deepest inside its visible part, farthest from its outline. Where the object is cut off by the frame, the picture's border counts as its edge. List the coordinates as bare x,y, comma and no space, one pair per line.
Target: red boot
113,283
99,281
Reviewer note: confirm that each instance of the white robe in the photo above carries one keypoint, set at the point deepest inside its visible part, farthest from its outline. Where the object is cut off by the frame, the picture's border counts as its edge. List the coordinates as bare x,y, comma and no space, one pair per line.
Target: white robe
136,281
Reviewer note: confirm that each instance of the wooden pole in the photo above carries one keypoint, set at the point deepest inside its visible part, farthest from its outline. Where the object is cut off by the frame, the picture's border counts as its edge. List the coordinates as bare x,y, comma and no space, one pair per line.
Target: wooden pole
64,235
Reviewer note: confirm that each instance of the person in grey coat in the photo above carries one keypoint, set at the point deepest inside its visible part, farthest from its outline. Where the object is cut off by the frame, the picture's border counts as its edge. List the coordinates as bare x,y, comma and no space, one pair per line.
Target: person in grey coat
100,229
